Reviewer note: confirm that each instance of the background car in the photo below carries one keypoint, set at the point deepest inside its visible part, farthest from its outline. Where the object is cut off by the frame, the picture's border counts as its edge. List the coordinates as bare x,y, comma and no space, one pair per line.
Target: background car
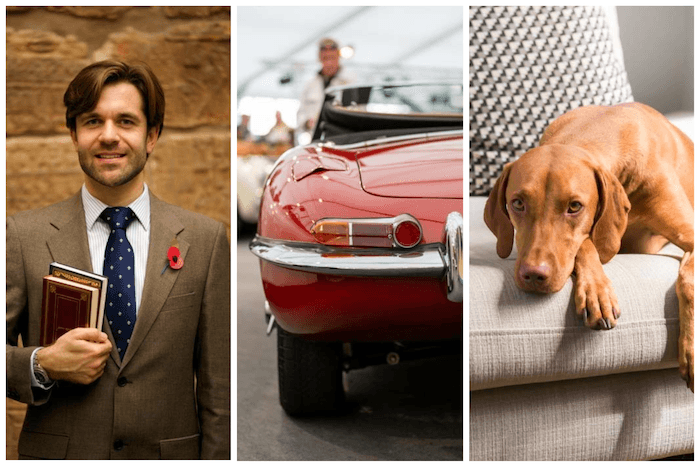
360,239
254,162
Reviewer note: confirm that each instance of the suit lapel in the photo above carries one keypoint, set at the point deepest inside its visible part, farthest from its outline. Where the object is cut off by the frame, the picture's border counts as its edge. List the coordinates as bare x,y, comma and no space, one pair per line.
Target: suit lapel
70,225
64,248
156,289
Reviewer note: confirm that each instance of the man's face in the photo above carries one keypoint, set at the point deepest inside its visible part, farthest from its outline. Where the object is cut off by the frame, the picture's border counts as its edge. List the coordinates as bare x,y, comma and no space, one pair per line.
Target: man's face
330,61
112,139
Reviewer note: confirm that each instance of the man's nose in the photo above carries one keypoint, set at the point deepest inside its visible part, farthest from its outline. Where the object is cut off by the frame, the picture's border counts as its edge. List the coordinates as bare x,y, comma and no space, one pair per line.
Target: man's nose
109,134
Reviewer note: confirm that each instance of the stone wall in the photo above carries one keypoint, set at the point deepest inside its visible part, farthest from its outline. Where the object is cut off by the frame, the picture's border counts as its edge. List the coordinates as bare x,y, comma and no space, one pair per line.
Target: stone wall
189,50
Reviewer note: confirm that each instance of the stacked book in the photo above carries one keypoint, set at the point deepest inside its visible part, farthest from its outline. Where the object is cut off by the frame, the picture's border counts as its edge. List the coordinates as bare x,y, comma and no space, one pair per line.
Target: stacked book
72,298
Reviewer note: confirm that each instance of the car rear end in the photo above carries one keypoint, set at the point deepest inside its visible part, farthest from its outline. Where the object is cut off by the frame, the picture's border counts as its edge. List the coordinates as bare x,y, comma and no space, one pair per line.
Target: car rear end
360,241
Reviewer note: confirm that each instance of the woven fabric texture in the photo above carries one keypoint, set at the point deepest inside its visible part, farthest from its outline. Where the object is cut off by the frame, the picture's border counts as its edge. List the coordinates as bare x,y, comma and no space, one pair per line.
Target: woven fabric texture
527,66
631,416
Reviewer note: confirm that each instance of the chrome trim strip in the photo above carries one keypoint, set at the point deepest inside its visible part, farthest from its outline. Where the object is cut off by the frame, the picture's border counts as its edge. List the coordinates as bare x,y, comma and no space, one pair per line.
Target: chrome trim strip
398,84
422,261
388,140
453,259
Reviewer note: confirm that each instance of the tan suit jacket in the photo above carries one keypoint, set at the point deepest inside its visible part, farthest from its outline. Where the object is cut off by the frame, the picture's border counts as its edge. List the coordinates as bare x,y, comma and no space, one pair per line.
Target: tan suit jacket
170,397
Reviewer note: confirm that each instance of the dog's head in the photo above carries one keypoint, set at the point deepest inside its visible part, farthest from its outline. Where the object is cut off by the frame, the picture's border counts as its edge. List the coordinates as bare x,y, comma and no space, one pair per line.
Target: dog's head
550,201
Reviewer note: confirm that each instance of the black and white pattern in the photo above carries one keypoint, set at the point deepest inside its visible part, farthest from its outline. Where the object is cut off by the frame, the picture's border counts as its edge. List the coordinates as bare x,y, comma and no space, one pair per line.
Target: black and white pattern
527,66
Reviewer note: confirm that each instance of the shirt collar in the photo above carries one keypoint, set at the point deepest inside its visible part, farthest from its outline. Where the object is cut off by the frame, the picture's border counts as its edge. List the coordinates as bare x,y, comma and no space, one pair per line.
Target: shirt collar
93,208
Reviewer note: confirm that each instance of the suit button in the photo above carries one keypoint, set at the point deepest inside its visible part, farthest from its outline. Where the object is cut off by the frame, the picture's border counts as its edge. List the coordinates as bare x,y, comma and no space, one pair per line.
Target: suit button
118,445
122,381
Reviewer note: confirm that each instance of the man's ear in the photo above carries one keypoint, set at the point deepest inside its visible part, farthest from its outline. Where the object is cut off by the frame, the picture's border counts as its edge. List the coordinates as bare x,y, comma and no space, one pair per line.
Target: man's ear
74,138
151,139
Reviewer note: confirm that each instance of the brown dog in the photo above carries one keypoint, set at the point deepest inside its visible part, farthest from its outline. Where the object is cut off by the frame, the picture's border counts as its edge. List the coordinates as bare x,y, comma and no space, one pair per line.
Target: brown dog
603,180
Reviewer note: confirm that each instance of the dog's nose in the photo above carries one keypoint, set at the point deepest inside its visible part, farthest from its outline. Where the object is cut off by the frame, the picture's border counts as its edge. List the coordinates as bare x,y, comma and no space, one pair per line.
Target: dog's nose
536,277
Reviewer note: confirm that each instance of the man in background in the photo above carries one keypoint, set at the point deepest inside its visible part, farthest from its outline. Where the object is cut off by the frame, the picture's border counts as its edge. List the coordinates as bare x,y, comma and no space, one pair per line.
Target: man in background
331,74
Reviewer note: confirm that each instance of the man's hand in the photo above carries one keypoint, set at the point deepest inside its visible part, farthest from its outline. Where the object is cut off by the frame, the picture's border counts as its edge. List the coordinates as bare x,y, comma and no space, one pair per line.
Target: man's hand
78,356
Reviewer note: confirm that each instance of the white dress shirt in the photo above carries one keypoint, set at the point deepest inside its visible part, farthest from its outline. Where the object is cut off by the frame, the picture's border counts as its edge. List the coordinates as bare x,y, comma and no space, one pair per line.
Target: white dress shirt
137,232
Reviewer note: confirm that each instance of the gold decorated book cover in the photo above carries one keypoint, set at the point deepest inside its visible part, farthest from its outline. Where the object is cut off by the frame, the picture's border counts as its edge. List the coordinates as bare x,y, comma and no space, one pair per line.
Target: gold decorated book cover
66,305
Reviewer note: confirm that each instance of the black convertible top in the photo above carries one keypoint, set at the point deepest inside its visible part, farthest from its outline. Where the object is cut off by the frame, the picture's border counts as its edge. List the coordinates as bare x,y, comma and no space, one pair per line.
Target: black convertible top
342,125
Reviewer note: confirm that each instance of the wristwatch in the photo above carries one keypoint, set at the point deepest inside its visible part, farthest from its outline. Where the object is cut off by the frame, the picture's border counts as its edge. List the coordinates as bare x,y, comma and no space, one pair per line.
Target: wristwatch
40,374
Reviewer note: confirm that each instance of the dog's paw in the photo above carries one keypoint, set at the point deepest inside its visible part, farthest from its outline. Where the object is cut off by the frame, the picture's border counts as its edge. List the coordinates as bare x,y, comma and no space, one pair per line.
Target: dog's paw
596,302
686,359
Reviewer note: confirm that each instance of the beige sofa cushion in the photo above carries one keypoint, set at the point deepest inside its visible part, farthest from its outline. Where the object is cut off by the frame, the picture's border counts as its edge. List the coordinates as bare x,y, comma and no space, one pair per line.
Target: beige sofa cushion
630,416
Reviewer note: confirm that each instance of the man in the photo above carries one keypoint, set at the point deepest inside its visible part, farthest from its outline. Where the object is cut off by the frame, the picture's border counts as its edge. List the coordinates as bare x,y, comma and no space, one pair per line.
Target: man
280,133
331,74
157,384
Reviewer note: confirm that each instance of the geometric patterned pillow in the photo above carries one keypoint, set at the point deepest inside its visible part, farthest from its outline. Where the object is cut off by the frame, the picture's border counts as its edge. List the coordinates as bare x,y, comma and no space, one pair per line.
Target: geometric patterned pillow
527,66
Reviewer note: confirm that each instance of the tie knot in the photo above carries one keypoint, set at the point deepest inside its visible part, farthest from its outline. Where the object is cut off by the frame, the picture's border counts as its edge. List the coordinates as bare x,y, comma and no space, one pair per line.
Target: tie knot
118,217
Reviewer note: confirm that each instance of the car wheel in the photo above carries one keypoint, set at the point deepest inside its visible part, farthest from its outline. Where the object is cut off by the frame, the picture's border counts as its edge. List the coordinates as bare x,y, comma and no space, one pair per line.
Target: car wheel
310,375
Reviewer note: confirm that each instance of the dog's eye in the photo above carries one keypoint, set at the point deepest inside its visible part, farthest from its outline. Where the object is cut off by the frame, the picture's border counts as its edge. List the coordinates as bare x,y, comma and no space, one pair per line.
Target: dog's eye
575,207
518,205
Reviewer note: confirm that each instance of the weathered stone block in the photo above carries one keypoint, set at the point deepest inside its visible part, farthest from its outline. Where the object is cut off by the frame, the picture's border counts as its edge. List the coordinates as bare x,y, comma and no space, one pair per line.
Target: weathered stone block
194,171
41,156
14,418
17,9
195,11
40,65
36,43
110,13
40,171
193,63
33,191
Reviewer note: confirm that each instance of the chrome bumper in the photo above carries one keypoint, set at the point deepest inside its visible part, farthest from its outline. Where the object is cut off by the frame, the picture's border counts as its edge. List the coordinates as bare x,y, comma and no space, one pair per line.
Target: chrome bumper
431,260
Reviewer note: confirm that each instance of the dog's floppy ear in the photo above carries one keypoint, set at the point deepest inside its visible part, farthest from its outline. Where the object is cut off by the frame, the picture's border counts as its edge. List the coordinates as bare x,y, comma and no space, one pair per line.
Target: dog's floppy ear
496,216
611,218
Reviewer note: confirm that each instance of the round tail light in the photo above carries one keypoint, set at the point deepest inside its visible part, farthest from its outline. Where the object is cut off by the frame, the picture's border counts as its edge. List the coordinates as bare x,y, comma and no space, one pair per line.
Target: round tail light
407,233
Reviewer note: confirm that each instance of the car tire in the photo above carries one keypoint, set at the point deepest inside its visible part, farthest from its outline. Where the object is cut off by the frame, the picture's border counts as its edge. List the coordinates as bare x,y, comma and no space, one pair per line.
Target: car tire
310,375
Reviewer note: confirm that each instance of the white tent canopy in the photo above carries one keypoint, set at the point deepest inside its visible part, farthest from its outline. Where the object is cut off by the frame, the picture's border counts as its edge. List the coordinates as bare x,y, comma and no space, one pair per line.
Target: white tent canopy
277,49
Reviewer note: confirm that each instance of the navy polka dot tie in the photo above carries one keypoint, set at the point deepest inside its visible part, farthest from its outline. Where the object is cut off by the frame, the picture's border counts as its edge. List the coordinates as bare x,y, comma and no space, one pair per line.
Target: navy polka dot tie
120,306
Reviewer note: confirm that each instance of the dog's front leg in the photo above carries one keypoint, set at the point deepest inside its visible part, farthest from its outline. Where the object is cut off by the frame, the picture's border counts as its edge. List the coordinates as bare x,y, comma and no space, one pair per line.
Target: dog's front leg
595,299
686,299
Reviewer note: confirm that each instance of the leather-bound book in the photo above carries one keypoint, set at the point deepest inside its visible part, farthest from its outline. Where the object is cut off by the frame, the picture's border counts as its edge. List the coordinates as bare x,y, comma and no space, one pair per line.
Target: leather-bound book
66,305
83,277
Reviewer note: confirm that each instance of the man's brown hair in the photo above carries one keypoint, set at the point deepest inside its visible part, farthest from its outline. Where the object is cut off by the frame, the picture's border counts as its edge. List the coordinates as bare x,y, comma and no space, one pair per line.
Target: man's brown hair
84,91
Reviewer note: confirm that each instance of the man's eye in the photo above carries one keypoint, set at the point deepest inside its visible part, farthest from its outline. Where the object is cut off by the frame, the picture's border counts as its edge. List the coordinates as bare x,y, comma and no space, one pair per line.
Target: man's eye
575,207
518,205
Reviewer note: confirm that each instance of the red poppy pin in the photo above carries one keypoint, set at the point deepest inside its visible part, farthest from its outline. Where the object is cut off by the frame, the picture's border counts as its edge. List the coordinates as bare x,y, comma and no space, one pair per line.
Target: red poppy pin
175,260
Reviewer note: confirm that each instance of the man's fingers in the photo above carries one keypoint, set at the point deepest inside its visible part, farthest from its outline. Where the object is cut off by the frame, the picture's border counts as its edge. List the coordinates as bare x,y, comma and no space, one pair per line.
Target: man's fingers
87,334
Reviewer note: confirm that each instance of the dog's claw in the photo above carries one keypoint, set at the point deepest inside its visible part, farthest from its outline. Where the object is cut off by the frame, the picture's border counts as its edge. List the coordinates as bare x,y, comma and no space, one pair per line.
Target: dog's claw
604,323
585,315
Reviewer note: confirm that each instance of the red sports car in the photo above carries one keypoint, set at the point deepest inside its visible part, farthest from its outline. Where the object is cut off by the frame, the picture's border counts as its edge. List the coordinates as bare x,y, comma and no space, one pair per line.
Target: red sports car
360,239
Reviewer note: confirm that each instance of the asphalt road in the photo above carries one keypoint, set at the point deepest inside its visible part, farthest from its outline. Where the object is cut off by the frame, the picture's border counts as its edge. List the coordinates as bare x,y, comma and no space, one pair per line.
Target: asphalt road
411,411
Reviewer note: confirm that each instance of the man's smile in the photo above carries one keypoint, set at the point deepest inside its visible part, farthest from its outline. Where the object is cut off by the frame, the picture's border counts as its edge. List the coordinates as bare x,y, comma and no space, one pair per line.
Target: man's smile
109,155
